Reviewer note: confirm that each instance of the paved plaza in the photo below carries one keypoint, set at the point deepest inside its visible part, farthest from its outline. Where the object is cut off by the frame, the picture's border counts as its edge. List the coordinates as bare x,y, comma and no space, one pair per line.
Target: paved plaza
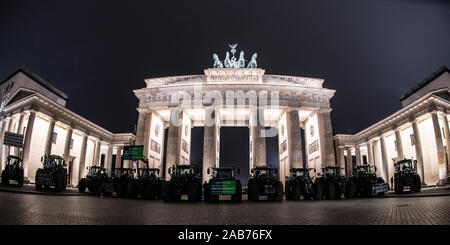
28,209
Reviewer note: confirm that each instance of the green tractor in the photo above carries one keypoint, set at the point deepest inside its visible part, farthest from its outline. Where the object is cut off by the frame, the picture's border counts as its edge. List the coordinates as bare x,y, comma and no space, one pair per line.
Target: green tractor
223,182
264,182
300,184
406,175
121,179
97,181
332,182
366,182
13,171
184,179
53,173
147,185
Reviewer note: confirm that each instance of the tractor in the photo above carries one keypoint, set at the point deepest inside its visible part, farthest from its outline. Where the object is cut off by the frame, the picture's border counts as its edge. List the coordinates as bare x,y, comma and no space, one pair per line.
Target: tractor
264,182
406,175
121,179
300,184
13,171
366,182
331,182
184,179
223,182
97,181
53,173
147,185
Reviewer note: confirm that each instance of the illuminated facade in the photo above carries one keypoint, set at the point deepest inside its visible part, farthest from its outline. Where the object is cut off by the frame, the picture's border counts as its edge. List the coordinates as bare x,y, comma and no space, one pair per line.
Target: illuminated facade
227,97
34,108
419,130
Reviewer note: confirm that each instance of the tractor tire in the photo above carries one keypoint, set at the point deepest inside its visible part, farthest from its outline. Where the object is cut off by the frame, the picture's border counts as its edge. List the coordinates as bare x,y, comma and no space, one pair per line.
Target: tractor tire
5,179
150,191
250,190
193,192
20,178
337,192
318,194
207,192
417,183
279,192
287,191
165,191
237,197
255,192
122,189
82,185
398,187
59,182
132,190
296,192
350,190
331,192
106,189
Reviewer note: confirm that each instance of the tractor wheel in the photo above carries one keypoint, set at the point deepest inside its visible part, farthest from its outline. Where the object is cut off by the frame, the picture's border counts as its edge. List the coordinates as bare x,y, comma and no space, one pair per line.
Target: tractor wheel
122,189
59,182
417,183
20,178
250,190
255,192
150,191
132,190
193,193
398,187
331,191
287,191
207,192
350,190
82,185
5,179
237,197
106,189
337,192
296,192
317,191
165,191
279,192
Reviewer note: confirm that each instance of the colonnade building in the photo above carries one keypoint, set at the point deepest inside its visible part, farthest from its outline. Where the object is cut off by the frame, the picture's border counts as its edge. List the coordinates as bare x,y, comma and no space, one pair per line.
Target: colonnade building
32,107
419,131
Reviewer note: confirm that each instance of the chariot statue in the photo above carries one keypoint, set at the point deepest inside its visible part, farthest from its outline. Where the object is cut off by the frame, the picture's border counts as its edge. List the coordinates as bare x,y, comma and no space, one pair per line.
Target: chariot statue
233,62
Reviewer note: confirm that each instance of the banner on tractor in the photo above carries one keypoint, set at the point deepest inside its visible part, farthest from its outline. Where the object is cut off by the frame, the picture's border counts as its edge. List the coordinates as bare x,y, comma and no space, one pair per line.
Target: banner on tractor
135,152
223,187
14,140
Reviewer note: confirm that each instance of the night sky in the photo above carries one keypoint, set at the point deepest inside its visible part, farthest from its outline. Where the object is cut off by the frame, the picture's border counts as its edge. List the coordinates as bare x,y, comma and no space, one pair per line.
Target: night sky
370,52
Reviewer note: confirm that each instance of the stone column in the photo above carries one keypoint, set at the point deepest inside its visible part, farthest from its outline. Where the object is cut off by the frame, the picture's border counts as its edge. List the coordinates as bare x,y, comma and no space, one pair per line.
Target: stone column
174,139
442,164
341,159
82,164
447,140
326,137
67,143
27,143
358,155
109,162
384,160
97,152
370,153
119,157
418,148
49,140
5,125
209,143
294,140
18,131
349,172
399,144
143,131
258,137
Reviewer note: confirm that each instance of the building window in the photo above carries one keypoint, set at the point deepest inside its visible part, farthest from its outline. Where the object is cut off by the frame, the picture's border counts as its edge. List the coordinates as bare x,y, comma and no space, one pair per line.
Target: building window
71,144
54,136
413,142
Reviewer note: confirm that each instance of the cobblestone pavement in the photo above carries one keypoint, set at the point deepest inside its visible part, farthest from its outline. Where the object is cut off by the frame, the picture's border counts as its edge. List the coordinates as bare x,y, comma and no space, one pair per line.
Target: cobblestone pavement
20,208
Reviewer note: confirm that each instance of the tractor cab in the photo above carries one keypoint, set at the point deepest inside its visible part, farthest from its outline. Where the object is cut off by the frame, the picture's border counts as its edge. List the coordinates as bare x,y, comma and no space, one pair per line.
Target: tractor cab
330,171
364,170
51,161
300,172
96,170
406,165
260,172
223,173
